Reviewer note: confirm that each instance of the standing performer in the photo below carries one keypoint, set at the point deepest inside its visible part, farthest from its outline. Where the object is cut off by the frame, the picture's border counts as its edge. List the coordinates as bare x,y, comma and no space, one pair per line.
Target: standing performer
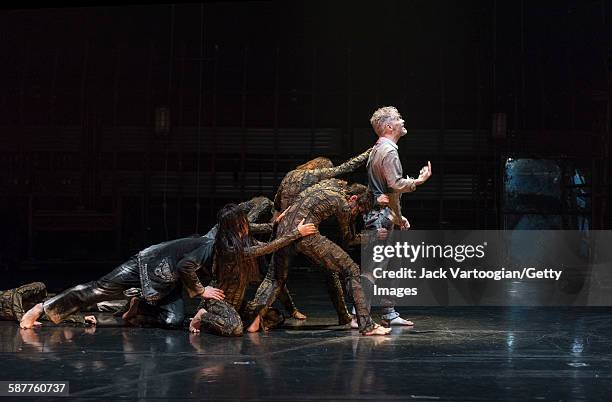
292,185
235,266
314,205
385,177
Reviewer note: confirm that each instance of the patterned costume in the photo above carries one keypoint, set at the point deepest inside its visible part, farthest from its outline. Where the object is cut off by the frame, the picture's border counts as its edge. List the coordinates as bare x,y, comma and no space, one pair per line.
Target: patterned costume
258,209
299,180
233,276
15,302
315,204
161,271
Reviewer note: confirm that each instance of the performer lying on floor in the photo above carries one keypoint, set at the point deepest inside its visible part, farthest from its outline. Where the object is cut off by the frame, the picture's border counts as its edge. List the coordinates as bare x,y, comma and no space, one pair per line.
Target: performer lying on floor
235,266
15,302
157,270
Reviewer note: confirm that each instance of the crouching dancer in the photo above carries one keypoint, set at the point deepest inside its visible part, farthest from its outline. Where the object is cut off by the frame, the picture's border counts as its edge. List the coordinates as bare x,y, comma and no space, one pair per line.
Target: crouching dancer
235,265
158,270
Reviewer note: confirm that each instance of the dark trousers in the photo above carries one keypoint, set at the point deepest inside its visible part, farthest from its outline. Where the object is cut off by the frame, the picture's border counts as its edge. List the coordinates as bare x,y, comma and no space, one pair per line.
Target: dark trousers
168,312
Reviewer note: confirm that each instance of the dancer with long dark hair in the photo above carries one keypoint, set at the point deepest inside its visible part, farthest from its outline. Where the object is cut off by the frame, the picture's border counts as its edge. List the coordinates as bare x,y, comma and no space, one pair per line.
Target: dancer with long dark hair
235,265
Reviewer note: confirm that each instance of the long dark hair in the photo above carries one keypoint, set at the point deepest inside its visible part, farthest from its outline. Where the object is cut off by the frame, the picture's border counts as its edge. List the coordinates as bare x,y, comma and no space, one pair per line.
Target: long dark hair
229,244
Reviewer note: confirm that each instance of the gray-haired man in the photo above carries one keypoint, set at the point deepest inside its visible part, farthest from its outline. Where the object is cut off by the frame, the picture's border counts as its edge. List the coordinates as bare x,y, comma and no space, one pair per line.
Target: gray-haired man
385,176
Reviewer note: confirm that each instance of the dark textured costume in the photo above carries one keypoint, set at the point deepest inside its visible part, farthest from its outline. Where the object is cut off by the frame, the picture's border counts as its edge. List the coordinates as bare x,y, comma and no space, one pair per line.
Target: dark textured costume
299,180
160,271
258,209
316,204
15,302
233,274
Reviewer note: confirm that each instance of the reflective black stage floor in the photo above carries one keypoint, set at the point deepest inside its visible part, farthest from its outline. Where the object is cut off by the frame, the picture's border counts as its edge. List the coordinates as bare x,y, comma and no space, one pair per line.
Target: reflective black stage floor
451,354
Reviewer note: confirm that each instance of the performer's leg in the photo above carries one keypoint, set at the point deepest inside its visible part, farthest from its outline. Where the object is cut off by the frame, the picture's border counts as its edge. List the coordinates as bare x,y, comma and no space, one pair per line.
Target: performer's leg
287,301
374,220
21,299
109,287
270,287
333,257
336,294
272,319
168,313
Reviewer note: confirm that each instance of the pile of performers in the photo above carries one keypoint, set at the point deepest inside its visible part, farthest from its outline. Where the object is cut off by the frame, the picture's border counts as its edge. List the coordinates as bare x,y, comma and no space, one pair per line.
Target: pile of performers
153,283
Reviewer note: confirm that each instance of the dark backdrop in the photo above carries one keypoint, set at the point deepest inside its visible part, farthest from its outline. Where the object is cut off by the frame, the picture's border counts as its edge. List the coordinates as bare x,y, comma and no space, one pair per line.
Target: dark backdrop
126,126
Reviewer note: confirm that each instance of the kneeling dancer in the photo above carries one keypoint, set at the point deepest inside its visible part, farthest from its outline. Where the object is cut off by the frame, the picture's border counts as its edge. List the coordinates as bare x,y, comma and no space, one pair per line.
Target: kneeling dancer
235,265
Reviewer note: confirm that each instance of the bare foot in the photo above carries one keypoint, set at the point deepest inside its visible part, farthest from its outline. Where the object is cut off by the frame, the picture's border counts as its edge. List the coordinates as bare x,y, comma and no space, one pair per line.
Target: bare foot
401,321
354,324
30,318
298,315
377,330
132,309
196,322
90,320
254,327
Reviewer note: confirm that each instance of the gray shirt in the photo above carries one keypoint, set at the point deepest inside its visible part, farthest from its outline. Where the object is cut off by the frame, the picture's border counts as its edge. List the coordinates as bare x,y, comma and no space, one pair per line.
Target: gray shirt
385,175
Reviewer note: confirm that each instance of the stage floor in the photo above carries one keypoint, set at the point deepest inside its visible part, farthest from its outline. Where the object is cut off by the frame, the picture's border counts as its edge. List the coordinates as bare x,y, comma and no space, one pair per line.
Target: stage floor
451,354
